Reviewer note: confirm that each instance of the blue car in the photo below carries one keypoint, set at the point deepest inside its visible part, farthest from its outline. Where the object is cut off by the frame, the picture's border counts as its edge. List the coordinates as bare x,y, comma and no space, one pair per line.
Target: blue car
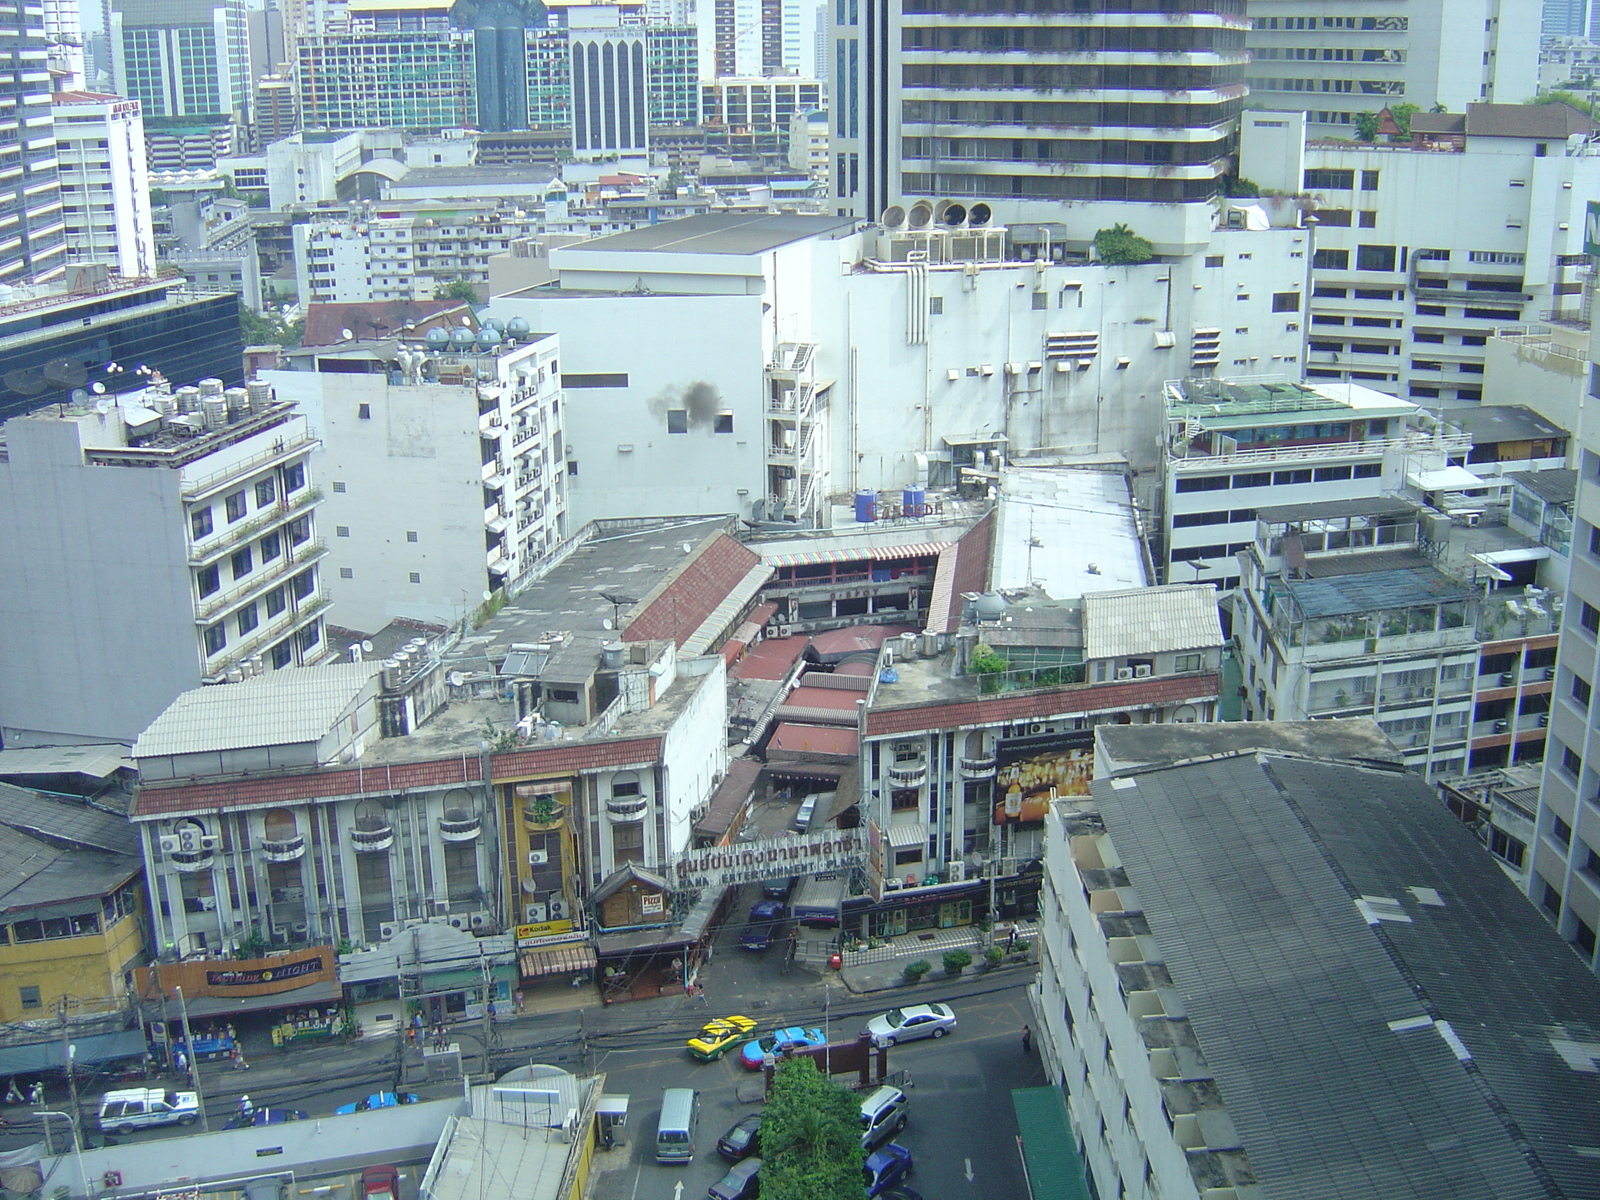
378,1100
885,1167
764,918
754,1054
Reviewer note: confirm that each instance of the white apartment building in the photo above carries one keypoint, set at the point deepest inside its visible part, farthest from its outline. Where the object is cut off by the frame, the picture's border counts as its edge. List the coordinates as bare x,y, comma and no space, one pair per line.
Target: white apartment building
1406,291
1346,57
404,250
785,358
1214,897
1233,444
105,182
152,544
443,462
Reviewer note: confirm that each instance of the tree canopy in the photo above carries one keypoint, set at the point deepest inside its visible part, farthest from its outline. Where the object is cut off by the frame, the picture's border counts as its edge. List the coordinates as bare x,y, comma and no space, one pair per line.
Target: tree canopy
269,328
810,1137
458,289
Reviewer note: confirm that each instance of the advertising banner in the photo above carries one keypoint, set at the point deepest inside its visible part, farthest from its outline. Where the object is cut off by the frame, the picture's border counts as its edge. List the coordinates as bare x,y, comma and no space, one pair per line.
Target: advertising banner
1032,770
808,854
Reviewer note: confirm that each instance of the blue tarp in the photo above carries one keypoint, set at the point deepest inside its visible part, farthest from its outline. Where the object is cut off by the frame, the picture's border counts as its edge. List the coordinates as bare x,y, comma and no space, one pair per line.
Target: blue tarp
92,1049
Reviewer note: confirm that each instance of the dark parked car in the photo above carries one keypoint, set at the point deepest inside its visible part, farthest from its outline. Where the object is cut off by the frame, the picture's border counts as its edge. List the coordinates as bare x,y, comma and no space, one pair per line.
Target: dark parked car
777,889
740,1183
885,1167
764,918
743,1140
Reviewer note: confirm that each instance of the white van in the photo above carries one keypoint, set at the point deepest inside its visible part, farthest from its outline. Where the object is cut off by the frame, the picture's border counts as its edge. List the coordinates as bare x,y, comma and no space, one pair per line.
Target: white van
680,1113
145,1108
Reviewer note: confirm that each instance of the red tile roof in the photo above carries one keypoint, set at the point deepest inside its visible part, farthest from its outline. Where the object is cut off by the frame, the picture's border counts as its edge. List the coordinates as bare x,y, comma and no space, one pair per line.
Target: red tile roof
326,322
676,608
1022,706
855,638
814,739
772,659
843,699
971,573
153,802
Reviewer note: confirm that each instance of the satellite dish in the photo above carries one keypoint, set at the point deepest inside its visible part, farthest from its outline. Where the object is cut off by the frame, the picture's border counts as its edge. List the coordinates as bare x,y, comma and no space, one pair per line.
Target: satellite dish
366,647
346,334
97,387
687,547
457,678
605,623
467,321
488,595
79,396
102,406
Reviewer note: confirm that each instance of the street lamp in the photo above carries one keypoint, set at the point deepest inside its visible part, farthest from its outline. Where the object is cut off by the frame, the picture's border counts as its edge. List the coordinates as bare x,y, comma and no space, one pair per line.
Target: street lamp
77,1141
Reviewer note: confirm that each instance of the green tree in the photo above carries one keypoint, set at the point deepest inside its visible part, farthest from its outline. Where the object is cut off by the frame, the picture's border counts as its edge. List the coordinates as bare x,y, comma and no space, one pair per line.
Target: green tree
1402,114
459,289
269,328
1121,246
1366,127
810,1137
1560,96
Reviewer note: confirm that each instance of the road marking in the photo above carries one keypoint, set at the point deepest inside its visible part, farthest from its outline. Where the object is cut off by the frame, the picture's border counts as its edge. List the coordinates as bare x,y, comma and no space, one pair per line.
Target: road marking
677,1190
970,1175
636,1174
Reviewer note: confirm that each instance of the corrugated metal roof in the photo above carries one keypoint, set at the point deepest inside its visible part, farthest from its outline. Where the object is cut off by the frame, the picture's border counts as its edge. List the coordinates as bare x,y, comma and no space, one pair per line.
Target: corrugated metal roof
1553,487
857,553
1345,594
1034,706
1142,621
277,709
840,740
36,873
719,618
1362,970
96,761
67,821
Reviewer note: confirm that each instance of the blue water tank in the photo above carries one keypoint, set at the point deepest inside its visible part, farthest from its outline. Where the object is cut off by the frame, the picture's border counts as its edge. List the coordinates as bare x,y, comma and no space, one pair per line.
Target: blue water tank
518,327
437,338
488,338
462,337
496,324
913,501
866,506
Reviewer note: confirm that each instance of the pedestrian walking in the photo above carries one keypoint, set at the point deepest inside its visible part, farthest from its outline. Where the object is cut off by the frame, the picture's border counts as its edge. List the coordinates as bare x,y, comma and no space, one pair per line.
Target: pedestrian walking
516,1001
181,1061
36,1092
1027,1040
239,1063
245,1107
492,1012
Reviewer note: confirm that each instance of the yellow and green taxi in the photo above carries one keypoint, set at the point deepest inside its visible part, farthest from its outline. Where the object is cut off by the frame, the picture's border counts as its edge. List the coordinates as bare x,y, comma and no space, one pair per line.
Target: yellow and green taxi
718,1035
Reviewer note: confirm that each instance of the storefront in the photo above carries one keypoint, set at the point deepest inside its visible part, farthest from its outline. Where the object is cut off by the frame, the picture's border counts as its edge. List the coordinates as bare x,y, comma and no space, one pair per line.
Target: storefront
313,1023
433,971
943,906
554,954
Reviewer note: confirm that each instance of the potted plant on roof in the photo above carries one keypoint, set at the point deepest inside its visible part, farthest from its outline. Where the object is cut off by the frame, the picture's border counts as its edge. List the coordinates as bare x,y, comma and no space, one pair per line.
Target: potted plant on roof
543,812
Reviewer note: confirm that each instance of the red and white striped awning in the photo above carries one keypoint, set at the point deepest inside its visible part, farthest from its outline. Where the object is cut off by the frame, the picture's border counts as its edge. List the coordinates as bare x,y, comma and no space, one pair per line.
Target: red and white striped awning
856,553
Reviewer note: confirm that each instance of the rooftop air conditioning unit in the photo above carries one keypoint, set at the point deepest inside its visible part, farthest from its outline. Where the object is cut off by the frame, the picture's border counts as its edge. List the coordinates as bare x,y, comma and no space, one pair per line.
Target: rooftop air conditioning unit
535,913
1142,671
387,930
560,910
458,921
956,872
538,858
1124,672
480,920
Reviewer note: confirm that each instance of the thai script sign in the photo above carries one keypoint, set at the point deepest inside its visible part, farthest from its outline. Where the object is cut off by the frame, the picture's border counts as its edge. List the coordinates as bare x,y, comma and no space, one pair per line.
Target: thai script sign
721,866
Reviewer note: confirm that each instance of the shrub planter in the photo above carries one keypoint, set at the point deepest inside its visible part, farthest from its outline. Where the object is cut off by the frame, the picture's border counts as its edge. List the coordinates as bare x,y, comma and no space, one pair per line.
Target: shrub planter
956,961
914,971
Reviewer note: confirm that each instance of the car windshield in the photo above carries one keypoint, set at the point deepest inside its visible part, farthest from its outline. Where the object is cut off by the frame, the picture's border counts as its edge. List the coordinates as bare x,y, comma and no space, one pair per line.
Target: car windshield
896,1017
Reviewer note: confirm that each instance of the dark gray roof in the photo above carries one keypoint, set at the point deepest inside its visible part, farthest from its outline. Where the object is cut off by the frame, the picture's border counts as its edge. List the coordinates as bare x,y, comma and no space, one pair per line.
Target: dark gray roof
1526,120
1501,423
1438,122
1553,487
67,823
1340,595
35,874
721,233
1369,506
1355,739
1384,1013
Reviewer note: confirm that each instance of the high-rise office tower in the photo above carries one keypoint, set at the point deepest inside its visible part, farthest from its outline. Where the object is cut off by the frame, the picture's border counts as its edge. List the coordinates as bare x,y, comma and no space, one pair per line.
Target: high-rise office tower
63,26
1565,18
32,233
751,38
183,58
388,64
1032,108
609,105
1338,60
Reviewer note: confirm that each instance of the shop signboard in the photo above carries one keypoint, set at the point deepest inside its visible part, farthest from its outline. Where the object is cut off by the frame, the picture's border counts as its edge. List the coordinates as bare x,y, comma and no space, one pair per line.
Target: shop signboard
876,850
278,974
1591,228
542,932
810,854
1033,770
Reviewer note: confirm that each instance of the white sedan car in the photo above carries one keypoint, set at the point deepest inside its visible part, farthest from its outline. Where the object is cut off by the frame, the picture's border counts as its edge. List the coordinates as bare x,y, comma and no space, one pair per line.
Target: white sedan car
909,1023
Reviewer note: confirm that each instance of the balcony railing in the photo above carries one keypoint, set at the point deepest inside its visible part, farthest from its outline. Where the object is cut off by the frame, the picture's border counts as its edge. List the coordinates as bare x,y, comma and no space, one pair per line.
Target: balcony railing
282,850
982,765
460,827
200,860
371,838
256,581
628,808
232,535
908,774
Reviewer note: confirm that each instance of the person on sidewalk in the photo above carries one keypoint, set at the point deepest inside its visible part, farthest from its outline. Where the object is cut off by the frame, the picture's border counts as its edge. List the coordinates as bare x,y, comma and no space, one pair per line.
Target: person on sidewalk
1027,1040
36,1092
239,1063
245,1107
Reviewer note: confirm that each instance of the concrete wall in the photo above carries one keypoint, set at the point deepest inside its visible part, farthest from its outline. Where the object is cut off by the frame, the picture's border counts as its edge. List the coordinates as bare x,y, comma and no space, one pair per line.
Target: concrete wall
694,753
97,634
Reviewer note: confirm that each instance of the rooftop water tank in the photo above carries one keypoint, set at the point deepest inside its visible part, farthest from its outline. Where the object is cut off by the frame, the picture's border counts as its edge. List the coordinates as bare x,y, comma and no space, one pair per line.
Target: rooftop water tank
215,410
866,506
437,338
188,399
211,387
461,338
611,655
238,401
496,324
990,606
260,393
488,338
518,327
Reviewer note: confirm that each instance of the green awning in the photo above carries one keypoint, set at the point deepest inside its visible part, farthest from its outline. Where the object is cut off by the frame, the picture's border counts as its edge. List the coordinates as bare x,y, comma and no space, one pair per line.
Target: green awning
1049,1149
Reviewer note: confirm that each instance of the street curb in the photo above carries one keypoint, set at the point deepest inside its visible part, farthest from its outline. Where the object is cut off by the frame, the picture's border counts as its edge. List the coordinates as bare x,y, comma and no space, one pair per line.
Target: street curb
899,980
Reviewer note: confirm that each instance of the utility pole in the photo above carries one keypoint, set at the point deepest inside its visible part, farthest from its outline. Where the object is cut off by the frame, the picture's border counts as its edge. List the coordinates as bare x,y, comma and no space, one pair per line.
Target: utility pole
77,1142
194,1063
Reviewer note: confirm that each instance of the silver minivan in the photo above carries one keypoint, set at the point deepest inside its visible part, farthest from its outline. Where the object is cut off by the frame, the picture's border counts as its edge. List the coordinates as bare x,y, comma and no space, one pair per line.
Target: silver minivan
680,1113
883,1114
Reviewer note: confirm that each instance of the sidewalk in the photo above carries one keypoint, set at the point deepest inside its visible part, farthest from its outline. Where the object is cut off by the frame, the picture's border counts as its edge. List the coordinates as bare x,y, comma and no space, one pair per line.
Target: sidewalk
883,967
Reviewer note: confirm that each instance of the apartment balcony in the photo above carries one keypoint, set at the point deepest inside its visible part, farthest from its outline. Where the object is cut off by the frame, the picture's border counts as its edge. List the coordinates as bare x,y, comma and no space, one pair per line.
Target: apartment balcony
194,486
456,826
978,768
282,850
627,808
228,538
257,581
371,837
908,774
188,863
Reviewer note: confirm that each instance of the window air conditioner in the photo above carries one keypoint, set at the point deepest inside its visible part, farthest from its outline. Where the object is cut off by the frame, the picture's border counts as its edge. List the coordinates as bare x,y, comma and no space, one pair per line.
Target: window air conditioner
538,858
1124,672
387,930
559,909
534,913
479,920
1142,671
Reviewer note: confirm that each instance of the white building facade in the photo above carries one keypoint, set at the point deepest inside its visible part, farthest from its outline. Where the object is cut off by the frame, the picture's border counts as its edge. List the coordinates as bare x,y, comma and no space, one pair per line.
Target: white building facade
100,149
444,468
211,527
1348,58
1406,292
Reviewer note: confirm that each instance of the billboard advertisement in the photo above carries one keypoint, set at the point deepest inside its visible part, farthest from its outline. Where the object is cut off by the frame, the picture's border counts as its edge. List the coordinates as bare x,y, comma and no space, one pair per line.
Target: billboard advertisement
1033,769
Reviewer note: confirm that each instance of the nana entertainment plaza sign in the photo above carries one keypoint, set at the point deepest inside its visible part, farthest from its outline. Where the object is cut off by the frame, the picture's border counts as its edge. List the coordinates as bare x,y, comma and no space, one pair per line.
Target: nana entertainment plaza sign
811,854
